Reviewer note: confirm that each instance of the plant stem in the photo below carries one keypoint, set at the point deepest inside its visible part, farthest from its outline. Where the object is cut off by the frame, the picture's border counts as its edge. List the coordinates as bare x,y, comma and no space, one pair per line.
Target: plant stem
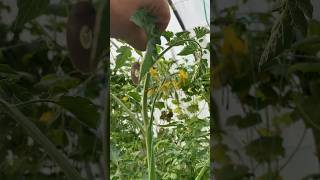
131,114
36,101
148,122
148,129
154,101
202,172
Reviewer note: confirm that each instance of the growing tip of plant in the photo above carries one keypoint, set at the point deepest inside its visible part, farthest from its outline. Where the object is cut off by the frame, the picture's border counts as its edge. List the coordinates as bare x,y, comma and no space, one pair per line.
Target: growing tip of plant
143,19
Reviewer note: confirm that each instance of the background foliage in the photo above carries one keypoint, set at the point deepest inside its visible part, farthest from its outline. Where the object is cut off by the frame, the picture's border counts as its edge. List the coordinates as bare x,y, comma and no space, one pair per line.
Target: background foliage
38,79
269,62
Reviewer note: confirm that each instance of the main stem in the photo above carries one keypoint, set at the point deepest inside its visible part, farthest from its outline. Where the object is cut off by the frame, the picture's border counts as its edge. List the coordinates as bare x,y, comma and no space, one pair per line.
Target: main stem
148,129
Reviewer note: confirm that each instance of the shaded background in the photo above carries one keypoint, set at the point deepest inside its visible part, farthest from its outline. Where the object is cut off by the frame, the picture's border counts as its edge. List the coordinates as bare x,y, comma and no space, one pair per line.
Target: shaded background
304,161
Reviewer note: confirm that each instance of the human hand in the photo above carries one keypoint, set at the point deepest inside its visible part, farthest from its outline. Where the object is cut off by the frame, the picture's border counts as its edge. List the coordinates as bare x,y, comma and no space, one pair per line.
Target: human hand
123,28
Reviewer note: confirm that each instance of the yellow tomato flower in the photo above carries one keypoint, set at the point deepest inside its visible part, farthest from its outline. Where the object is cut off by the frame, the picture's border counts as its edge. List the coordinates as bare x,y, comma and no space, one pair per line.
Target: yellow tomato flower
177,110
46,117
165,87
183,75
176,84
153,72
125,98
232,42
151,91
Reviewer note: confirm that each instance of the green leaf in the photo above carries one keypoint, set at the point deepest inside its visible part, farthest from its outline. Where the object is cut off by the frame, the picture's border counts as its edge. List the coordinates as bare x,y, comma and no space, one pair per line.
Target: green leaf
15,89
28,10
179,39
136,96
201,31
57,84
123,56
173,176
265,149
191,48
193,108
168,35
159,105
82,108
175,101
284,119
182,116
310,44
244,122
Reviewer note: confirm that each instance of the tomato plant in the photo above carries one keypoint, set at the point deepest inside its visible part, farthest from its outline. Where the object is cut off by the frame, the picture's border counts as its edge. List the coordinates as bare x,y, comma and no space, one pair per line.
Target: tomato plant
156,118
